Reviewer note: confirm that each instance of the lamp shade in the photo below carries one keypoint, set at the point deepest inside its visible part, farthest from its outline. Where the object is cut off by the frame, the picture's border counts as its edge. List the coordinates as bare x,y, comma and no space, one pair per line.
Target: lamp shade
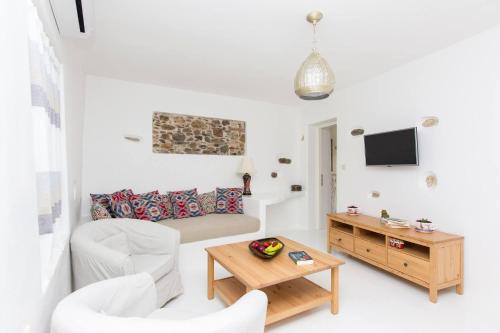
315,79
246,166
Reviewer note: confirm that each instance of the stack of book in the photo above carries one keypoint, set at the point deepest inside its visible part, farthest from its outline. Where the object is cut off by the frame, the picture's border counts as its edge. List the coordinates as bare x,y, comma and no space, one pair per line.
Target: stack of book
392,222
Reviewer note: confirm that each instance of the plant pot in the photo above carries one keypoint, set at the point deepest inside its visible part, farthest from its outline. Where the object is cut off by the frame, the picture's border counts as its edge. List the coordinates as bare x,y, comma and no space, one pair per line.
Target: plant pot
425,225
353,210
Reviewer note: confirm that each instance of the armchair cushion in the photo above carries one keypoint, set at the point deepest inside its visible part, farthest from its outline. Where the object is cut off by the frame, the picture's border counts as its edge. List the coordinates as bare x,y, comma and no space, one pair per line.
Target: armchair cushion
117,242
127,305
156,265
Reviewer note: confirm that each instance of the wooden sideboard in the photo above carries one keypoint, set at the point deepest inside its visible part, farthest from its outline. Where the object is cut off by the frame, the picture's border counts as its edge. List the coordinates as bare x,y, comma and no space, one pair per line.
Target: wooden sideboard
434,261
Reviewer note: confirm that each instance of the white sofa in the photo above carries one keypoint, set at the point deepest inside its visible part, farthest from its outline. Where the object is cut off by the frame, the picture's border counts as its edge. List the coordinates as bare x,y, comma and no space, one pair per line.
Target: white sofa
127,305
111,248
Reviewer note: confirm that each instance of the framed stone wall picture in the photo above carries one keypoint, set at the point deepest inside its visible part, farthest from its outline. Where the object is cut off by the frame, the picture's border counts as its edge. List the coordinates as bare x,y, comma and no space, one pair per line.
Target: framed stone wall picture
183,134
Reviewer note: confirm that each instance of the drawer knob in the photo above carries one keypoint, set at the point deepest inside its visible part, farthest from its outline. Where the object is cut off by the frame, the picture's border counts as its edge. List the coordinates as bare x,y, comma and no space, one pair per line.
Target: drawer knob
367,250
339,239
405,264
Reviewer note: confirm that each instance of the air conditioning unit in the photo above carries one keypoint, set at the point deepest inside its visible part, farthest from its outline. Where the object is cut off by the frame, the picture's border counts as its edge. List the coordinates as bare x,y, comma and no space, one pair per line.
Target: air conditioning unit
74,18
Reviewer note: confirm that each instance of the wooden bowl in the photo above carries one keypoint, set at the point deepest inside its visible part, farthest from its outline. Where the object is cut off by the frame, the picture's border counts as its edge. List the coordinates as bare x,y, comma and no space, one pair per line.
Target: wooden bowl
263,255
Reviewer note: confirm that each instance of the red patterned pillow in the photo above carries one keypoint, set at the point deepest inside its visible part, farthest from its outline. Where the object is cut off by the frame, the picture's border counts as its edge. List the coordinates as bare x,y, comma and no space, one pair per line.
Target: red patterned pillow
121,195
165,198
186,204
105,199
149,206
122,208
229,201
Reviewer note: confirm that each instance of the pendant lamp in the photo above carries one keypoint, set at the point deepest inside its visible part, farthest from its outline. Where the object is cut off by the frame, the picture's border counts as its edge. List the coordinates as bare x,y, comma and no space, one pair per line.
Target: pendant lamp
315,79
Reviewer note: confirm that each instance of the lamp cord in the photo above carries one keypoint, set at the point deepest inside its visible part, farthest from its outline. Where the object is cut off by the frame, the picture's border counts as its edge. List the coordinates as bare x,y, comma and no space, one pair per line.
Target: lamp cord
315,40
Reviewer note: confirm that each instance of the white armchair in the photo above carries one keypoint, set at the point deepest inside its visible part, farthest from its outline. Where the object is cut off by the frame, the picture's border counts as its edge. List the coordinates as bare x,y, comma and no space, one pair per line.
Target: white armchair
111,248
127,305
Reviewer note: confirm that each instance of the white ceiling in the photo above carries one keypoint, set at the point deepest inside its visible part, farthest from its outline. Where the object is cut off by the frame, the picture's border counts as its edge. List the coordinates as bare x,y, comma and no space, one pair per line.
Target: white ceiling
252,49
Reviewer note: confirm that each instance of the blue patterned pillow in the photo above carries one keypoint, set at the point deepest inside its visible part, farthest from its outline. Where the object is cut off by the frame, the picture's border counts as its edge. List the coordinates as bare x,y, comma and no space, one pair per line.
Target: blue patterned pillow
122,208
149,206
186,204
229,201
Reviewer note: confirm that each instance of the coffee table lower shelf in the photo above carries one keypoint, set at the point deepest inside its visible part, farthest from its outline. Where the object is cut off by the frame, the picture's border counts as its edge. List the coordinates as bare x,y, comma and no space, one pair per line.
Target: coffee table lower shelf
285,299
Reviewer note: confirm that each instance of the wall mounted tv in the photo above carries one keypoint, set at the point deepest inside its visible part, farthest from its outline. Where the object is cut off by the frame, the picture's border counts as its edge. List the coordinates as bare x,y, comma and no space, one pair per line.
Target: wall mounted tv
392,148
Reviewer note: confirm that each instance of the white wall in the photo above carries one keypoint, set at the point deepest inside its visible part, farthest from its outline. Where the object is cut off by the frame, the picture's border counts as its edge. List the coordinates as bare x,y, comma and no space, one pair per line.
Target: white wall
115,108
461,86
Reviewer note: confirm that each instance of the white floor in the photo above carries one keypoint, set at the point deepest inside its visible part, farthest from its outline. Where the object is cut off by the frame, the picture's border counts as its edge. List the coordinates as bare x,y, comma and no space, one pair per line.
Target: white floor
370,299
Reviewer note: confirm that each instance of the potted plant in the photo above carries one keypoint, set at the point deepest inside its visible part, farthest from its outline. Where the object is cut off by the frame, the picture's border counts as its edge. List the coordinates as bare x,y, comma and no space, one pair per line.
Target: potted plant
352,210
424,224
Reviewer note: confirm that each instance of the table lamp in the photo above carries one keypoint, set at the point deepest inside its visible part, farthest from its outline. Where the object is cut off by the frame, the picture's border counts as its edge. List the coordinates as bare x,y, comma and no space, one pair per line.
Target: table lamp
246,169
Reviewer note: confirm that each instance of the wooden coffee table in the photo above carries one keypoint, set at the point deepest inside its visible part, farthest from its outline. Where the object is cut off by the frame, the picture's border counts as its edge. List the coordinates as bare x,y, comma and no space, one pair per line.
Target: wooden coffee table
288,292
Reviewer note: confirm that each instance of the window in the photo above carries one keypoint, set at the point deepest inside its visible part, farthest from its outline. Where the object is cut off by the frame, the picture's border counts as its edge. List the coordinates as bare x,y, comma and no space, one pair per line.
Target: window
48,145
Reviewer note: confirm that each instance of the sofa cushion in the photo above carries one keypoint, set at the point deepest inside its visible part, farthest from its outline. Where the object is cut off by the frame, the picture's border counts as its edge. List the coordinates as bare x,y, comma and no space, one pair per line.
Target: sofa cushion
121,195
213,226
117,242
229,201
105,199
165,198
207,202
101,199
158,265
122,208
186,204
149,206
99,212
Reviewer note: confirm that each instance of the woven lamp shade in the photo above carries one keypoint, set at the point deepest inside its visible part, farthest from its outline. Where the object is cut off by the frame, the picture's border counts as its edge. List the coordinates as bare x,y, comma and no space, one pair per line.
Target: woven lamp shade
315,79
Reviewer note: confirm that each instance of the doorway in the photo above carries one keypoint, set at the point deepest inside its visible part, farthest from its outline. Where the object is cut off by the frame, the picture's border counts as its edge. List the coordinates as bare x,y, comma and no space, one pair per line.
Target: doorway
328,170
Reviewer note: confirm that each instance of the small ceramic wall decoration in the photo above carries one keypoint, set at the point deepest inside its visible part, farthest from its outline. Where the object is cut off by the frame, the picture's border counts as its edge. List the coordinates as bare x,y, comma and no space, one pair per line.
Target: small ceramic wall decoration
357,131
430,180
133,138
430,121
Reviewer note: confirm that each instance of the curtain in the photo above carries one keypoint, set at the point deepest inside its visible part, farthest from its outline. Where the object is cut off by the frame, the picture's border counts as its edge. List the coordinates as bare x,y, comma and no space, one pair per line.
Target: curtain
46,85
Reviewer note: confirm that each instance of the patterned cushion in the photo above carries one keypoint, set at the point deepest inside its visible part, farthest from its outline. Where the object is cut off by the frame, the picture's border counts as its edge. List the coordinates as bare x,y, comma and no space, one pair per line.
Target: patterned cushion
165,198
122,208
105,199
121,195
98,212
101,199
229,201
207,202
149,206
186,204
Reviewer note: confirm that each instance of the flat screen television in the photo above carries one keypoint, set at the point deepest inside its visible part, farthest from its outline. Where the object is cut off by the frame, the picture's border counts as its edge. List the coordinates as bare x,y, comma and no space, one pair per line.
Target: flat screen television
392,148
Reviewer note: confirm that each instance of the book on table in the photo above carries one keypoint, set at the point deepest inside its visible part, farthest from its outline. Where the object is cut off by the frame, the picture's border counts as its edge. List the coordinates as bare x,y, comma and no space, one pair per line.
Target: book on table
301,258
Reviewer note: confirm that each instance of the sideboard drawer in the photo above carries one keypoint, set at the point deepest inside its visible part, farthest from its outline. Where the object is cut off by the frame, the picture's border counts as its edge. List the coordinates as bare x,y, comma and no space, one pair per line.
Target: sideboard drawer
410,265
342,239
370,250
